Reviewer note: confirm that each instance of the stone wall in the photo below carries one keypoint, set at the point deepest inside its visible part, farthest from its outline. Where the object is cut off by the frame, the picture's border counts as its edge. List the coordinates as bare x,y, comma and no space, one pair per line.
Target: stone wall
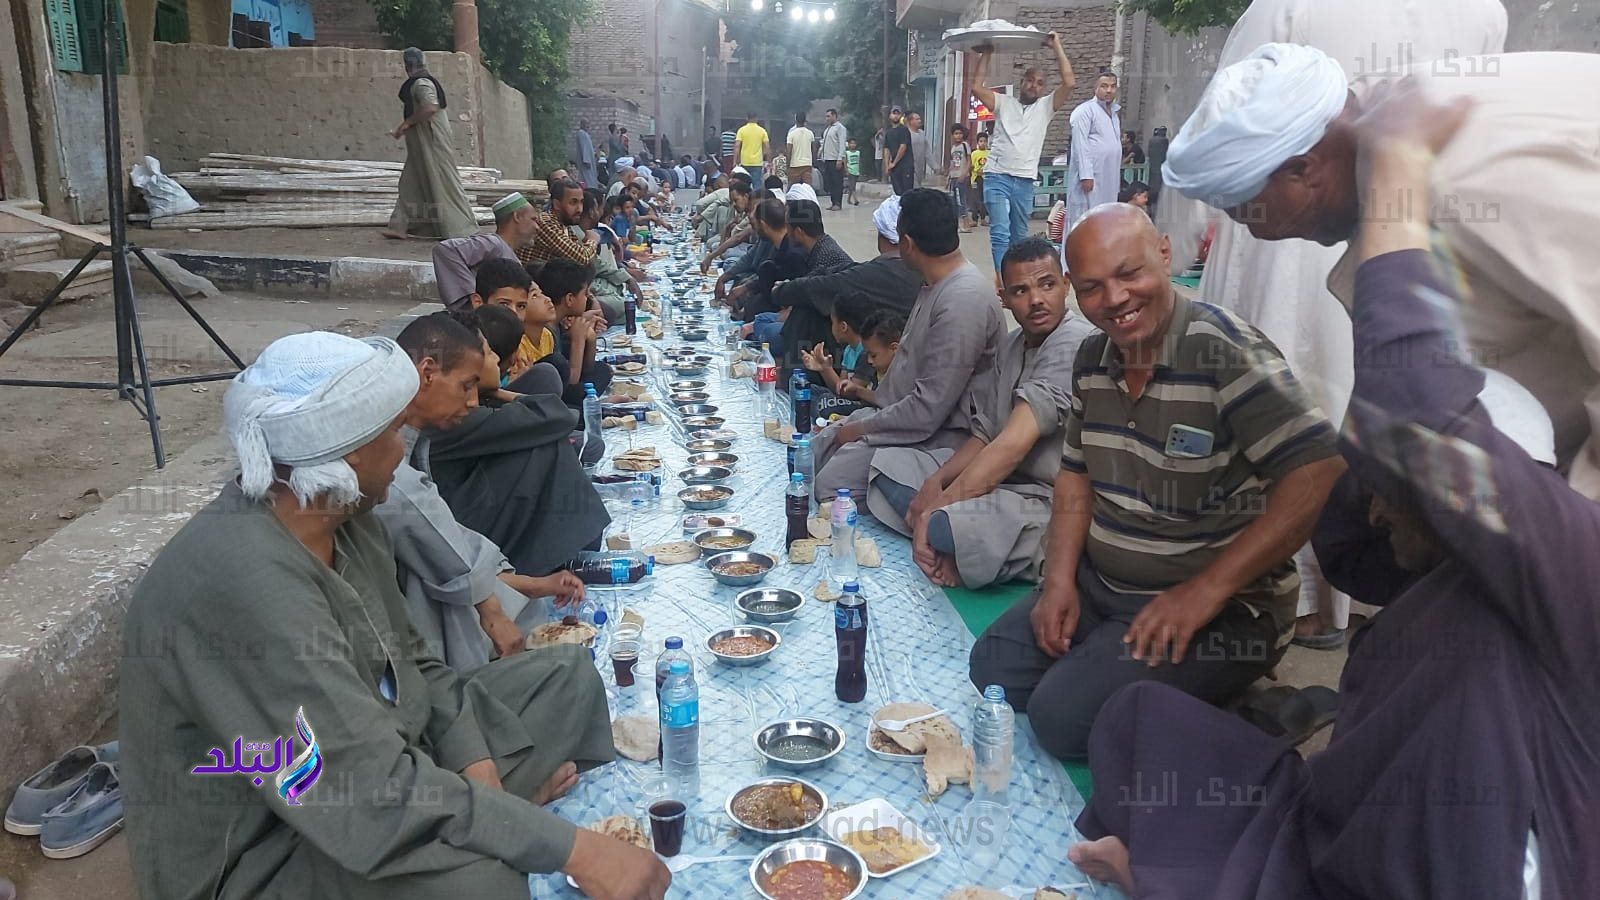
318,102
348,23
614,59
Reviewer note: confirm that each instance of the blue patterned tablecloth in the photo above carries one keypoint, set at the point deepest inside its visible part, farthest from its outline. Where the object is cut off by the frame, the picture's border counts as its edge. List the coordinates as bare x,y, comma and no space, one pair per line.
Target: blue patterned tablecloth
917,651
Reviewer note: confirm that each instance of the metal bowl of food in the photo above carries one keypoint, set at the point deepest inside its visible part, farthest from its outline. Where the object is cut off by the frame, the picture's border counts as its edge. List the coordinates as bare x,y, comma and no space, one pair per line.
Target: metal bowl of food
704,421
687,385
844,866
707,446
780,806
767,606
693,334
705,475
705,496
740,568
696,410
688,398
726,460
800,743
744,645
681,367
713,541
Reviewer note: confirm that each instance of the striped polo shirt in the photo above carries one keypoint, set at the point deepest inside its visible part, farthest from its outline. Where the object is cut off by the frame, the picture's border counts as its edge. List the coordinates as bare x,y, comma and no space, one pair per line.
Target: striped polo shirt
1180,472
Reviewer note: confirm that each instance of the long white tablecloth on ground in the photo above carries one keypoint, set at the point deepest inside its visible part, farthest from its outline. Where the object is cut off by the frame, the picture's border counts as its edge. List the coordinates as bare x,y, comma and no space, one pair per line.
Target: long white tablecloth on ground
917,651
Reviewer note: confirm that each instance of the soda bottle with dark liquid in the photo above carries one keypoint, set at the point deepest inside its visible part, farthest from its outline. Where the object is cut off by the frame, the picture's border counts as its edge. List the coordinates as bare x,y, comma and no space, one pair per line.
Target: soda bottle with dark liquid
800,398
850,635
797,509
630,315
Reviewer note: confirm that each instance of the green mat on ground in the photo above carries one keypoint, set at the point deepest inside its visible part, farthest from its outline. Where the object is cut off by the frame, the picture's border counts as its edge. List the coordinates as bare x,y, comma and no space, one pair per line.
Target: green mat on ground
979,609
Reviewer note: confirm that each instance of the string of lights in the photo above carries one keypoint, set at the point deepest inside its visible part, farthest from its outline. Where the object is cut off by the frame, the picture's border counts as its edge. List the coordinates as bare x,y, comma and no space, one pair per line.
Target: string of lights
798,10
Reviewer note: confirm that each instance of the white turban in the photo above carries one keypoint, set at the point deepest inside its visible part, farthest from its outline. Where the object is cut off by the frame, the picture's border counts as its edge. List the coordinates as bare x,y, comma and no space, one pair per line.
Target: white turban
801,191
1519,416
887,219
1256,114
308,400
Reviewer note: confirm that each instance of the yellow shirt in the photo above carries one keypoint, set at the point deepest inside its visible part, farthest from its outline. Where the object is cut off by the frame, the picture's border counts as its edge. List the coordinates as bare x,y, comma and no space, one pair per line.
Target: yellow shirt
533,352
750,139
980,158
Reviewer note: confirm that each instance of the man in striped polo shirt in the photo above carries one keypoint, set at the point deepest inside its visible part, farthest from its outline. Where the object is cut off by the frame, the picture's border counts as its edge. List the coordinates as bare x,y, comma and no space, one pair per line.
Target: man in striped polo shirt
1194,467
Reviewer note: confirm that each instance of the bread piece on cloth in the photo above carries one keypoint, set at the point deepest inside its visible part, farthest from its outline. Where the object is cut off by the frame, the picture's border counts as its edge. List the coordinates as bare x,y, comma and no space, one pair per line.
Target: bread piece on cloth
674,552
804,551
826,592
567,631
947,762
637,737
867,555
975,893
625,829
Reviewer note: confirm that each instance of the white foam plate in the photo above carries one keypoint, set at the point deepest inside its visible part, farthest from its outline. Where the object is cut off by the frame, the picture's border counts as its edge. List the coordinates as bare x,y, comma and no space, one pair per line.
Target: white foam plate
878,813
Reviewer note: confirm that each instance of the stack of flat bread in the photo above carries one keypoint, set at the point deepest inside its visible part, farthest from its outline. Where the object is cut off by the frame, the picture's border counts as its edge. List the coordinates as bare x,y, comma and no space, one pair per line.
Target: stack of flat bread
673,553
625,829
642,459
945,760
566,631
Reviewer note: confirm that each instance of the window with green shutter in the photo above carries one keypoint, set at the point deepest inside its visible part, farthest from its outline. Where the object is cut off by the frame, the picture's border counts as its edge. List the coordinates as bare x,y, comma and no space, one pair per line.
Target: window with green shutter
90,20
172,21
64,35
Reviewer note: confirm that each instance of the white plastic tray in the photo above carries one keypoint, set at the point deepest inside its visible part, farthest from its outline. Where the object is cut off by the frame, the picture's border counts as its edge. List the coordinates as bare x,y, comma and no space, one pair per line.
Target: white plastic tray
877,813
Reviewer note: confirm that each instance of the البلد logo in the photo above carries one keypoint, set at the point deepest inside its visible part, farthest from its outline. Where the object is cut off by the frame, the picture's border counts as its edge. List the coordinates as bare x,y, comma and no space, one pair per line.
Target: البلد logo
295,773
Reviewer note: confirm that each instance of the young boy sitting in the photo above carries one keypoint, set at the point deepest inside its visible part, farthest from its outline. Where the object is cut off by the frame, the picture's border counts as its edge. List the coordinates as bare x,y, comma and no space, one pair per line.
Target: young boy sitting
566,283
508,284
849,316
880,339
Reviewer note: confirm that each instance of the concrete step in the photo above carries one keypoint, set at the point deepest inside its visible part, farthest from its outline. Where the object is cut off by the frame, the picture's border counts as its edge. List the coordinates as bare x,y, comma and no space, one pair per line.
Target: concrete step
33,206
30,283
17,249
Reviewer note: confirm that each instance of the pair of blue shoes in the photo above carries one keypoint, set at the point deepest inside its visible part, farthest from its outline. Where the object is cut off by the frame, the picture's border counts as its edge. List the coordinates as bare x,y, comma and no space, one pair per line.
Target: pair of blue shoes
74,804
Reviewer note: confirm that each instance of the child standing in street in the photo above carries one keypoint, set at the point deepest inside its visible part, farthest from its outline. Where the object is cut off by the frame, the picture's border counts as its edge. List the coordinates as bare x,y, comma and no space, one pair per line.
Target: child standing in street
980,158
852,170
958,177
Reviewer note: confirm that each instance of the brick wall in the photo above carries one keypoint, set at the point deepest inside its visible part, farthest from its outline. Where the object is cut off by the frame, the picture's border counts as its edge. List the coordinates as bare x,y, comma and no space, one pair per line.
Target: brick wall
614,58
1088,34
348,23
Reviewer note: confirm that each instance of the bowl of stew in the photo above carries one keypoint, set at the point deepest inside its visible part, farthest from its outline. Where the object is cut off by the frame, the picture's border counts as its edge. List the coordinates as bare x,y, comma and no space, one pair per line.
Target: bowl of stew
743,645
740,568
715,541
782,806
808,869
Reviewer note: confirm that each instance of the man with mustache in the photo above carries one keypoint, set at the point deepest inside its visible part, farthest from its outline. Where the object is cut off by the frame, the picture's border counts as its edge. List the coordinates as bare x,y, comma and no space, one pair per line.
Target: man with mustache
1194,467
977,515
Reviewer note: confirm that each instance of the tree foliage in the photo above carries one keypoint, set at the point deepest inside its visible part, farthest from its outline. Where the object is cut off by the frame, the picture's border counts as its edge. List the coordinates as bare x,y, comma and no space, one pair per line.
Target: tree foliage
523,44
1189,16
856,62
780,61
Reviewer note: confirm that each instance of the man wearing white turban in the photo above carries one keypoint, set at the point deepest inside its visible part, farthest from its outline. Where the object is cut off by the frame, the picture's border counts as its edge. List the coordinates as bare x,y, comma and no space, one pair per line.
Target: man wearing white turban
1280,286
276,609
1462,762
1272,145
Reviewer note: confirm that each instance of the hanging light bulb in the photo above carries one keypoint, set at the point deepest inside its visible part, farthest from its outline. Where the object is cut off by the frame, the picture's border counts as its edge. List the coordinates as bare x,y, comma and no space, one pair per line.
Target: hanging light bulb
756,5
827,14
813,17
778,7
796,13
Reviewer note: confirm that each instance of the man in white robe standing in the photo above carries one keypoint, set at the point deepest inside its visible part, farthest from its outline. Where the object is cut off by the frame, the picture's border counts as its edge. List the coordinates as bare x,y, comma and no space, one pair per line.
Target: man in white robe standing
1280,285
1096,169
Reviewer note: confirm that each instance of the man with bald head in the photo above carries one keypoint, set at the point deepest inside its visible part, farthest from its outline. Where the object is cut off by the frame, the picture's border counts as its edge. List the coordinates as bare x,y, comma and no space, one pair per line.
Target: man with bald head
1194,467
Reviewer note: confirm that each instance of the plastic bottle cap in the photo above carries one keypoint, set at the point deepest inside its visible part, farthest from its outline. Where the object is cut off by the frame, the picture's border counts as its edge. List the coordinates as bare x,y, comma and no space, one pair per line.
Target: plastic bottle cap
798,477
798,437
589,386
801,440
995,693
679,667
674,643
843,494
636,503
600,617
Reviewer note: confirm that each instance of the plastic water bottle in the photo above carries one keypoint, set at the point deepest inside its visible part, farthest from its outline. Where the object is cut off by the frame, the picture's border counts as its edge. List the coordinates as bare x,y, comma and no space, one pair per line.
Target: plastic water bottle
993,727
987,819
797,509
850,638
843,521
805,463
672,652
794,442
591,612
612,567
635,511
665,307
591,419
766,372
680,726
800,399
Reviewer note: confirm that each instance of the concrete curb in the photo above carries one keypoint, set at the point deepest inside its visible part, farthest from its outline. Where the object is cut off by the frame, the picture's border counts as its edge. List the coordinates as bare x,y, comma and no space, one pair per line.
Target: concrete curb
62,606
336,278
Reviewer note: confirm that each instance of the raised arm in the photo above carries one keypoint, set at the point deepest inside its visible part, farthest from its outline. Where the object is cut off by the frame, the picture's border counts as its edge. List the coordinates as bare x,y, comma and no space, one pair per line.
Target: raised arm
1063,92
977,72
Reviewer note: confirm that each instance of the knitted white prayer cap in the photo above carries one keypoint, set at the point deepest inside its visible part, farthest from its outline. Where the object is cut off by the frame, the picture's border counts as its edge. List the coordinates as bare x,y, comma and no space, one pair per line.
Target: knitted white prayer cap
887,219
307,401
1519,416
1256,114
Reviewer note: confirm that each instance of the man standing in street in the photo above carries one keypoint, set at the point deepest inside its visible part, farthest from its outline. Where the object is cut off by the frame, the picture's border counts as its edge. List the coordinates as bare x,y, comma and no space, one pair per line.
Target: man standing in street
799,151
1096,172
898,162
834,138
585,157
1020,124
751,146
921,150
431,203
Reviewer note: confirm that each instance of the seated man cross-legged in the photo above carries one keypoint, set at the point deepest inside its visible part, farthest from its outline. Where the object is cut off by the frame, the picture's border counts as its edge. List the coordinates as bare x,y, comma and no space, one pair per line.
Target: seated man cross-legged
1194,467
279,603
977,515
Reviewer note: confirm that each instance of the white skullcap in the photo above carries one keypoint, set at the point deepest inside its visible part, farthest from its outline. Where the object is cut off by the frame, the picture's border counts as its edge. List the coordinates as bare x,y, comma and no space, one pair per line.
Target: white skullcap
887,219
1519,416
308,400
1256,114
510,202
801,192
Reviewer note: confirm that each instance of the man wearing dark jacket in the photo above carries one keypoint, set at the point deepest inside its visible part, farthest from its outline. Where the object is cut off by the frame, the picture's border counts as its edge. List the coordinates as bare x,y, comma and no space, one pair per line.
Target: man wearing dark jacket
794,327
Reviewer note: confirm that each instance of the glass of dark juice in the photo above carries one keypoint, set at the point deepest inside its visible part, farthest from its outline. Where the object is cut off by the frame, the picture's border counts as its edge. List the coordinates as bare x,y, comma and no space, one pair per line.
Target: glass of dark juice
666,826
624,655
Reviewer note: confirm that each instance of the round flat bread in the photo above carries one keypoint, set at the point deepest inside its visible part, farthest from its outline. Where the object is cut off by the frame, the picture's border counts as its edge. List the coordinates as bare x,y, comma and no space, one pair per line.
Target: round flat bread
803,551
623,828
826,592
674,552
637,737
821,529
975,893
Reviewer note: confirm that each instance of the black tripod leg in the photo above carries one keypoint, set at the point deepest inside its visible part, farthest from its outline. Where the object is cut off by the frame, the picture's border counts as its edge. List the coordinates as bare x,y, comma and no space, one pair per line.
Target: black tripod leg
50,298
187,307
149,391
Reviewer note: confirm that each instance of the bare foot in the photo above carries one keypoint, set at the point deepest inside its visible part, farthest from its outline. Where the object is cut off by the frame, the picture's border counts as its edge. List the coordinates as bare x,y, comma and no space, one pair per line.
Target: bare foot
395,235
945,573
1104,860
561,781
